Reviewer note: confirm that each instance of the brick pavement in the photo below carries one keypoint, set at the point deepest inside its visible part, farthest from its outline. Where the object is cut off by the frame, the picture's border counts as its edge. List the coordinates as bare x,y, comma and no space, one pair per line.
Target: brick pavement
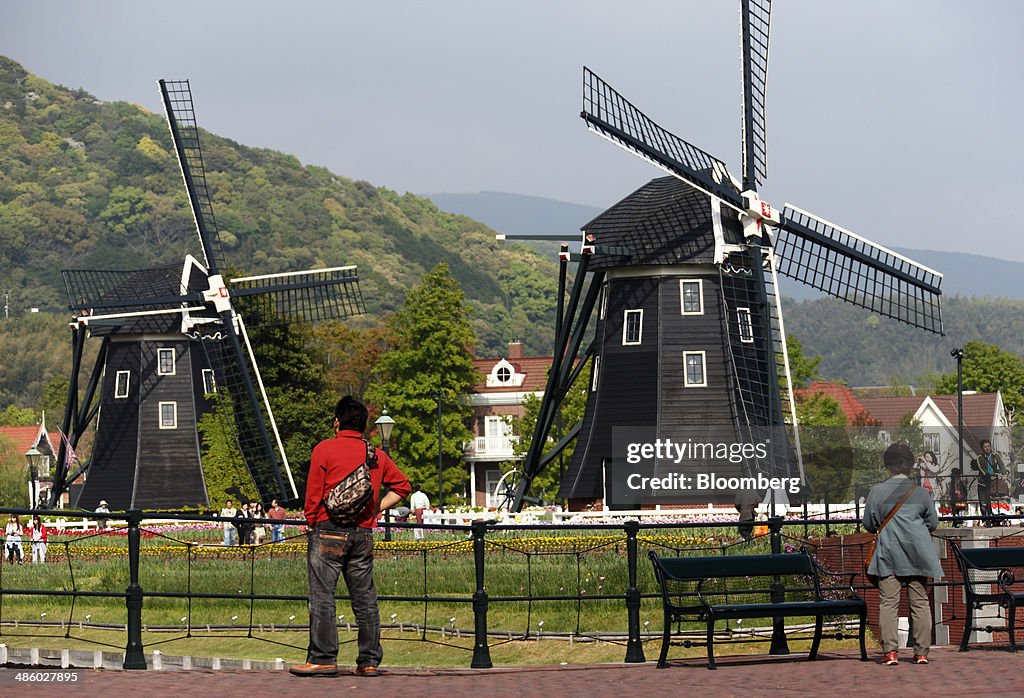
980,672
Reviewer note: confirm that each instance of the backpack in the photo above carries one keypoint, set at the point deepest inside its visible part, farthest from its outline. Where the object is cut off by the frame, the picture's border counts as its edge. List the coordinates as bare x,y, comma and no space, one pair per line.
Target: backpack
346,500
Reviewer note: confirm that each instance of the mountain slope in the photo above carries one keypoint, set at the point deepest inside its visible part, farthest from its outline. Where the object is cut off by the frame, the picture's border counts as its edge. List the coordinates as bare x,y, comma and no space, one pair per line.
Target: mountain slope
88,184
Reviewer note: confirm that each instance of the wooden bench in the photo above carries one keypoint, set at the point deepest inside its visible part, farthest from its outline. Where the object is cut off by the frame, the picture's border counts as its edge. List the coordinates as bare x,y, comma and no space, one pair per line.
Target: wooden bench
983,569
708,589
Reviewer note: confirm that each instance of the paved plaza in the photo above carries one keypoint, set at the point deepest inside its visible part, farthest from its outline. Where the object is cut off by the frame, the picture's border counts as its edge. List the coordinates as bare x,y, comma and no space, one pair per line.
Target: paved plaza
980,672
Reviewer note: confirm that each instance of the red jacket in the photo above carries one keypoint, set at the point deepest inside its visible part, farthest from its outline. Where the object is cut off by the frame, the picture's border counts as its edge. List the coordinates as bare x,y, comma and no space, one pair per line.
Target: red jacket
335,458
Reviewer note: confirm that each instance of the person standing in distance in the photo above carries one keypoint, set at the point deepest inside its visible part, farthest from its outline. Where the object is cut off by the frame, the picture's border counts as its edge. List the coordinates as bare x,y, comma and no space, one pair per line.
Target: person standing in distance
989,466
419,502
904,553
277,513
347,551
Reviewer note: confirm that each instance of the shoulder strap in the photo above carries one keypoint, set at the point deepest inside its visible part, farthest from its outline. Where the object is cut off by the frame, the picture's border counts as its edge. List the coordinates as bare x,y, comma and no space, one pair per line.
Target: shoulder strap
896,508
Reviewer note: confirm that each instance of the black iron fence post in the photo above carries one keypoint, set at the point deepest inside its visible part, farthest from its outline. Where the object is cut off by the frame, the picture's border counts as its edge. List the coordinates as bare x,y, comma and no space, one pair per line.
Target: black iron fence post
481,652
778,591
634,648
134,658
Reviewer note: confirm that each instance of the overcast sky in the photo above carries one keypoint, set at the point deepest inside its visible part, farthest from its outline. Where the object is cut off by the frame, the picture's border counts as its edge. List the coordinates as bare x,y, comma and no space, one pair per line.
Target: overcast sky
897,119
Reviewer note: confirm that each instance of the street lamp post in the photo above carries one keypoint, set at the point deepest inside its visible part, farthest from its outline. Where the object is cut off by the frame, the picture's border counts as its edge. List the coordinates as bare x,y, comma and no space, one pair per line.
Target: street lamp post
440,456
385,425
958,354
33,456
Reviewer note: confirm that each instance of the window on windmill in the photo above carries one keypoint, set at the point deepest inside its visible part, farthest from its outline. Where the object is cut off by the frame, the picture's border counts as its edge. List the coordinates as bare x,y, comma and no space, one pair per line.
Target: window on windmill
691,292
504,374
746,326
209,382
632,327
168,415
165,362
121,384
604,302
593,377
693,369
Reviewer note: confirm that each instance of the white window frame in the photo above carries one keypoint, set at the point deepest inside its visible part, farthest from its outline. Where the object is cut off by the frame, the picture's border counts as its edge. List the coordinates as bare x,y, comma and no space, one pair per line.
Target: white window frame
682,296
160,415
703,369
604,302
498,374
748,336
625,327
209,381
160,354
118,393
595,369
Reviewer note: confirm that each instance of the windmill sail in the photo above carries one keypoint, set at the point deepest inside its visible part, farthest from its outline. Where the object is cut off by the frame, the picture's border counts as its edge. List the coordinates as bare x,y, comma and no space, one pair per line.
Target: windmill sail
308,296
847,266
181,118
755,26
613,116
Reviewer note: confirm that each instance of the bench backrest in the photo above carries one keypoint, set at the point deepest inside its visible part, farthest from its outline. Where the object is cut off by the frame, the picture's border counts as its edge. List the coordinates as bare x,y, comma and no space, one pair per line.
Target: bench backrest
695,568
992,558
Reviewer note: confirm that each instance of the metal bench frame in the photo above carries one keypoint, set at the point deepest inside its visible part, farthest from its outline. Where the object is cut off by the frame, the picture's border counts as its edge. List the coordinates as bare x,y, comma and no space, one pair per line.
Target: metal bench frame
703,605
983,568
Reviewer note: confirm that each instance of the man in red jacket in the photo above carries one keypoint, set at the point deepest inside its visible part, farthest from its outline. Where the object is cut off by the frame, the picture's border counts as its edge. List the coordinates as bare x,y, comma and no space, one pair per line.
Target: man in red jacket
344,550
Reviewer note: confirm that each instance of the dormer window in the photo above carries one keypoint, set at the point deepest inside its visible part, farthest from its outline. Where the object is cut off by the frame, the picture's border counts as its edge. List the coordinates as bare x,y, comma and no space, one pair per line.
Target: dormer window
504,374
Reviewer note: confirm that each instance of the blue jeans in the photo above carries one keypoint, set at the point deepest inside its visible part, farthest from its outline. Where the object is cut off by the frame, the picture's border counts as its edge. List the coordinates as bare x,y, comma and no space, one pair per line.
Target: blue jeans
277,533
332,552
229,536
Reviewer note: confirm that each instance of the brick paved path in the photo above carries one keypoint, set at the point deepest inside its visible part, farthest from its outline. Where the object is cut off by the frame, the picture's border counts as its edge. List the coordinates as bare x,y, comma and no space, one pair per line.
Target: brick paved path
980,672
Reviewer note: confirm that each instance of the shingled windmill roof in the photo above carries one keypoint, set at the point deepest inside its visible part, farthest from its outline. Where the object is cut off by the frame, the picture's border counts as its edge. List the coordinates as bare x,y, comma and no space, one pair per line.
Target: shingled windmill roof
163,282
666,221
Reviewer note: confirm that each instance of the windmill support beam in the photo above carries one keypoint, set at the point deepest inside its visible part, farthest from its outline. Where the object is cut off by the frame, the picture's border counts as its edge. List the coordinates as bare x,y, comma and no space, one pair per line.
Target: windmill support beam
563,372
77,415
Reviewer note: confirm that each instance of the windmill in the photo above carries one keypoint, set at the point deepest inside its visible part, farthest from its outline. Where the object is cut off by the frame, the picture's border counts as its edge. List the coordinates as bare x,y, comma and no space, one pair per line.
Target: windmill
682,275
172,336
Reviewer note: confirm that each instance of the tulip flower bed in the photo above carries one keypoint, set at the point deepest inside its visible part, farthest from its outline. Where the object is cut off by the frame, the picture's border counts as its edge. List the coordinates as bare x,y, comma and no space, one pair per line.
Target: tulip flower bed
586,569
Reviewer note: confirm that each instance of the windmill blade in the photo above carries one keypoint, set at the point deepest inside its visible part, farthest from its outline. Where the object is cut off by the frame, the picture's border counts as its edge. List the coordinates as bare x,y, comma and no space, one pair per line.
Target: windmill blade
159,288
181,118
756,22
611,115
845,265
304,296
250,421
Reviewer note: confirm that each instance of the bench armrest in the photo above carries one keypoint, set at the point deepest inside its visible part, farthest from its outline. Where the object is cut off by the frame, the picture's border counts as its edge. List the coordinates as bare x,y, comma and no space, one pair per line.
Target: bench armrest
847,586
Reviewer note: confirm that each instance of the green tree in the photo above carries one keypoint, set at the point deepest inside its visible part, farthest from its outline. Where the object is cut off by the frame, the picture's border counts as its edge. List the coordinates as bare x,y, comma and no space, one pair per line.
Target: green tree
546,484
803,369
430,354
223,465
988,368
14,416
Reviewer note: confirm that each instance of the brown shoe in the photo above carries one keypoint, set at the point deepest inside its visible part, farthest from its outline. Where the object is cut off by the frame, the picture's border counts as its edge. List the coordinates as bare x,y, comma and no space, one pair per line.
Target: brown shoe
891,659
308,669
367,671
920,659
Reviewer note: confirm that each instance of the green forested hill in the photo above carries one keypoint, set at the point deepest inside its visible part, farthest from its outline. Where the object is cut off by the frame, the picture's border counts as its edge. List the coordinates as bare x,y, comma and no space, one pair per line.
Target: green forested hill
864,349
88,184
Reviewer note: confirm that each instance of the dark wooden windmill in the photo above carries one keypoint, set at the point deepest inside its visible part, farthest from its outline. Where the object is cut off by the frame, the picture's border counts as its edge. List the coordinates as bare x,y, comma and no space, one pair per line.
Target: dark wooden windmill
681,274
171,337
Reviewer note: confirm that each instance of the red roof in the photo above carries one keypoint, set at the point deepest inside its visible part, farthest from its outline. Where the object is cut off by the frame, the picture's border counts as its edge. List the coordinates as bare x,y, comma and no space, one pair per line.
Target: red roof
851,407
533,369
979,411
23,438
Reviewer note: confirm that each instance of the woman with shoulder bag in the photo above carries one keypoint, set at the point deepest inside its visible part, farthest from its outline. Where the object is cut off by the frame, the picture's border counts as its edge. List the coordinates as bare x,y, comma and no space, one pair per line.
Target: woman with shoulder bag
903,517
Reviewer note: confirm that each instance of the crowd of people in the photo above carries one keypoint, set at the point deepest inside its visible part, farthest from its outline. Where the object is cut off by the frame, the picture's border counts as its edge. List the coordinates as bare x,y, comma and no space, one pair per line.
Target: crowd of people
241,525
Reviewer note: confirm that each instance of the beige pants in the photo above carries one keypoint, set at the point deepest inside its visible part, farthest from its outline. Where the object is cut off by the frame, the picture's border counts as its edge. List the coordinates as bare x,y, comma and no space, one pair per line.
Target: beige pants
920,612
